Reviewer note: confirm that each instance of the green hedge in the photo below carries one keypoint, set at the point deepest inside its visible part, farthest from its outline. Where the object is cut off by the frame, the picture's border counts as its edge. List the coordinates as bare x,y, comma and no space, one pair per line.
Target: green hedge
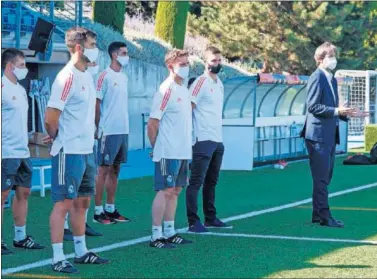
370,134
110,13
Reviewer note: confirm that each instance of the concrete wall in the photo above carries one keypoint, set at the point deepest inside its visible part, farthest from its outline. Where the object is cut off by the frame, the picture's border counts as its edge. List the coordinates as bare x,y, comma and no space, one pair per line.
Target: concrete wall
144,80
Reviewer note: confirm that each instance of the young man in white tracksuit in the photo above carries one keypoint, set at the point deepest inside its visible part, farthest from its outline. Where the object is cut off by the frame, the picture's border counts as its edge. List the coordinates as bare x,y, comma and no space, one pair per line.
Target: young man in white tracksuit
170,131
70,122
112,132
16,167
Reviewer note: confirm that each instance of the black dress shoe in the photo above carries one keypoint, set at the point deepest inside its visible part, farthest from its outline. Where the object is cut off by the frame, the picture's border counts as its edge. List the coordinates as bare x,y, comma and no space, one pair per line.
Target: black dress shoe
331,222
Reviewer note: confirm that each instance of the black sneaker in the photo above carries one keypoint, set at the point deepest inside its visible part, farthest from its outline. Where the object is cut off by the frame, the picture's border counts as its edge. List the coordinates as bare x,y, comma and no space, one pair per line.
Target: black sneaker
91,232
177,239
5,250
64,267
161,243
68,236
197,228
217,224
103,219
117,216
27,243
90,258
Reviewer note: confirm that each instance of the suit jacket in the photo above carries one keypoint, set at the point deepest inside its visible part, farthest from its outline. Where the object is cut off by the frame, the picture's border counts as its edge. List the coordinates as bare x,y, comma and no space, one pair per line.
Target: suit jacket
321,123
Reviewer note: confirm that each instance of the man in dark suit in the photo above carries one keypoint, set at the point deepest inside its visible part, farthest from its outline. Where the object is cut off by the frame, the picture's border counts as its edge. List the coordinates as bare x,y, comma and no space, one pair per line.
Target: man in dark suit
321,130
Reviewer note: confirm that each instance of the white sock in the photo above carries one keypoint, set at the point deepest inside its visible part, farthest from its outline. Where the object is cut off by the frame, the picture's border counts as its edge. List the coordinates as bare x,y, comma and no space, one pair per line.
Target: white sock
19,233
169,229
58,253
80,245
66,226
98,209
86,216
110,208
156,232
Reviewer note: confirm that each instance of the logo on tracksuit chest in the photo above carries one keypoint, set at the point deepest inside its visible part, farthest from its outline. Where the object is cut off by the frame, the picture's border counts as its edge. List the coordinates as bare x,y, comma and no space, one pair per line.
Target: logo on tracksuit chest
169,179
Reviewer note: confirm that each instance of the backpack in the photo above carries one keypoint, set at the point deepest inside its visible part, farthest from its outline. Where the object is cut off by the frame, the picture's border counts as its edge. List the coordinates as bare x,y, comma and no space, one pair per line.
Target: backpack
357,159
373,154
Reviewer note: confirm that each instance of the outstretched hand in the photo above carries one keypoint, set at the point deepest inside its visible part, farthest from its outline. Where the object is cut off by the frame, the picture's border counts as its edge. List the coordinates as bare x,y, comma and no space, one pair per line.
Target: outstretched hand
344,111
359,114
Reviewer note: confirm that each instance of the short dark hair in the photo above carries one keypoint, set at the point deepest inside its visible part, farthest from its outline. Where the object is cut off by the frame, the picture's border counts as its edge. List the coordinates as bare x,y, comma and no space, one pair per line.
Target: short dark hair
212,50
10,55
91,34
115,47
77,35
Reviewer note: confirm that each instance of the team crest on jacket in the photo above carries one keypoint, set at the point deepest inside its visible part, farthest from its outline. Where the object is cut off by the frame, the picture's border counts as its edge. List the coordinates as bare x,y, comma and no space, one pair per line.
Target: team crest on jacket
169,179
70,189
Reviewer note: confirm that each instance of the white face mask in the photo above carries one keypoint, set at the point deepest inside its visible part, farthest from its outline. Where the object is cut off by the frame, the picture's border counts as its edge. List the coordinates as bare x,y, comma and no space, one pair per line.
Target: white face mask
183,72
91,54
20,73
123,60
330,63
93,70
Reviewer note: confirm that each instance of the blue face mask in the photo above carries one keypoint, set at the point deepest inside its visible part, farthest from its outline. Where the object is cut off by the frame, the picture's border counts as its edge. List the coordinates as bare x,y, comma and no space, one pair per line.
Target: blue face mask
183,72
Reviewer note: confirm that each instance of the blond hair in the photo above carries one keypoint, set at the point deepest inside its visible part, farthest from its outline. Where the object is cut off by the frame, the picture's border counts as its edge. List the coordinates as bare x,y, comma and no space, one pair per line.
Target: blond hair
323,50
174,54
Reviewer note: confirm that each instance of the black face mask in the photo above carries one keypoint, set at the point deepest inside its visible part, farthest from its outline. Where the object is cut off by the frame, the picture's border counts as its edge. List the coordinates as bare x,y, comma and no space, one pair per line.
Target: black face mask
214,69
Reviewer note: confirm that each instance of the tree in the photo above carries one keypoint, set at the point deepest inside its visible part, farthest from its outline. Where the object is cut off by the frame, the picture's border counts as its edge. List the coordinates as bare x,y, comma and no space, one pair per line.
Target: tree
110,13
284,35
146,9
171,20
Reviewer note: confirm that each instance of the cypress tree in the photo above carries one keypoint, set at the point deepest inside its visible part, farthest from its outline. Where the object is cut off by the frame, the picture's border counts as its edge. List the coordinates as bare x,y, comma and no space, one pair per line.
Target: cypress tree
171,19
110,13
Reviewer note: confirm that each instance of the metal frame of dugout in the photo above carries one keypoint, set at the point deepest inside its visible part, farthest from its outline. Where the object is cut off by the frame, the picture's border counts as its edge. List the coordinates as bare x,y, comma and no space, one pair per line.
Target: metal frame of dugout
262,118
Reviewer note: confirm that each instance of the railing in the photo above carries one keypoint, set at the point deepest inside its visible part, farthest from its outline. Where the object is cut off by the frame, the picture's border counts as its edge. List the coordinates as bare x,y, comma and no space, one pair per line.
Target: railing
19,17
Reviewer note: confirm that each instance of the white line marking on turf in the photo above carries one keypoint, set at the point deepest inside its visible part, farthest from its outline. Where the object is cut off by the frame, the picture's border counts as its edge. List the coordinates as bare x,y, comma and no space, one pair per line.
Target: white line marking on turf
70,256
292,238
224,228
294,204
147,238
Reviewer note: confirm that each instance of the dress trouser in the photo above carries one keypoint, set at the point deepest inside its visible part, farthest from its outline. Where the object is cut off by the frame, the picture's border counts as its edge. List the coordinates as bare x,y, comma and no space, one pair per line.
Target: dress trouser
205,169
322,158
